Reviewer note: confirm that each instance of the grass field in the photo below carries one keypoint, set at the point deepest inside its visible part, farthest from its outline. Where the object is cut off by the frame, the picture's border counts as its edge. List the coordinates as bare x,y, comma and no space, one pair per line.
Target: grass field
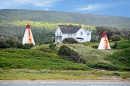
42,63
47,74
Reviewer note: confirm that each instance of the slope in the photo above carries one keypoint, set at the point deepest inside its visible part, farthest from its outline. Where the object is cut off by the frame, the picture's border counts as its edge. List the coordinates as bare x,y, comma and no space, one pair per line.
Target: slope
52,16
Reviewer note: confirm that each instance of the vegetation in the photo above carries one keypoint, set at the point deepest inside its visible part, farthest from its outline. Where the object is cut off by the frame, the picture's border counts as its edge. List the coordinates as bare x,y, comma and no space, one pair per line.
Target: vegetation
111,31
52,46
35,59
71,54
121,59
51,16
61,61
116,38
42,31
44,23
122,44
47,74
70,41
42,59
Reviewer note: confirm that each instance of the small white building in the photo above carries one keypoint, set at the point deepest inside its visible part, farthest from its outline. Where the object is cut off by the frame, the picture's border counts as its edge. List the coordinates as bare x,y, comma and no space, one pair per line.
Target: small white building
28,37
70,31
104,43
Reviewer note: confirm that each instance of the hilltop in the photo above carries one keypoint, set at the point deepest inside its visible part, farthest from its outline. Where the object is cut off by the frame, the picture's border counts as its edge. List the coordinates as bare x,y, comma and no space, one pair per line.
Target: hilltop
53,16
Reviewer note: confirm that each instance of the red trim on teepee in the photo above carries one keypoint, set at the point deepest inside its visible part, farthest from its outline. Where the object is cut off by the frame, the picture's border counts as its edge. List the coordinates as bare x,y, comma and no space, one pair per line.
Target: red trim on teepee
29,33
106,43
104,34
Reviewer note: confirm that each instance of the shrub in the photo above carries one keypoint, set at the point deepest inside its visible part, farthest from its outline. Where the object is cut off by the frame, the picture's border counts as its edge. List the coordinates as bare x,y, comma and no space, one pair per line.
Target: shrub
2,44
52,46
121,59
66,51
104,66
26,46
8,41
116,38
94,40
123,44
69,40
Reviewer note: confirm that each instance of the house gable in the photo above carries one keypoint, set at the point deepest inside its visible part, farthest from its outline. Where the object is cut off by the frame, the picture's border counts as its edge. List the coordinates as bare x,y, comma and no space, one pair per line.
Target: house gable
58,32
69,28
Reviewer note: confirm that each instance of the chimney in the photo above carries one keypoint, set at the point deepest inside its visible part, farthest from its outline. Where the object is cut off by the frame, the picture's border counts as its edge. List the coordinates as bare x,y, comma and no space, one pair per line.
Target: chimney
70,25
79,25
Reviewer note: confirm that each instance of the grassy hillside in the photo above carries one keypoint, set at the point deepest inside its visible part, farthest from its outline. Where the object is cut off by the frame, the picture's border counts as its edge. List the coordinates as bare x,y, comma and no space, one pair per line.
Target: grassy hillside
43,57
41,62
35,59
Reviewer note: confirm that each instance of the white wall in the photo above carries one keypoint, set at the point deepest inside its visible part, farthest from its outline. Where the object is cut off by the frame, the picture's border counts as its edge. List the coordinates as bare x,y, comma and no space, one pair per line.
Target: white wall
86,35
58,33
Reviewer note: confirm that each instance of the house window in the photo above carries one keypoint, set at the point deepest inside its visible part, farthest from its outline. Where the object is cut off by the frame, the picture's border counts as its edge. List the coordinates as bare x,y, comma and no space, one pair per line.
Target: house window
81,33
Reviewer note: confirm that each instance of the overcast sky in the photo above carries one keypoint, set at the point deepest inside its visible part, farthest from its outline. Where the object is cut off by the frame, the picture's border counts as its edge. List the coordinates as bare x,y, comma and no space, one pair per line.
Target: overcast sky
101,7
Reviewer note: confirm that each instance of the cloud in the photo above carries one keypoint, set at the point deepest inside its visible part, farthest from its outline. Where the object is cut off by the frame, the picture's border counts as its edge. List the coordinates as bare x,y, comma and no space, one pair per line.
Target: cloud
45,3
46,9
94,7
4,4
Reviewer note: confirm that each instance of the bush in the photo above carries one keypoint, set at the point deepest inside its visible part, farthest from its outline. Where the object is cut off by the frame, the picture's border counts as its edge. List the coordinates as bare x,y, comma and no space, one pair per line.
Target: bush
104,66
121,59
94,40
8,41
2,44
123,44
26,46
116,38
69,40
52,46
66,51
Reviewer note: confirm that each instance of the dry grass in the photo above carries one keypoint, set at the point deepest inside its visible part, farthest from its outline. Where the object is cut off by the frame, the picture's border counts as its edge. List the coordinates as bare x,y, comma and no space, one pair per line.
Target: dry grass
31,74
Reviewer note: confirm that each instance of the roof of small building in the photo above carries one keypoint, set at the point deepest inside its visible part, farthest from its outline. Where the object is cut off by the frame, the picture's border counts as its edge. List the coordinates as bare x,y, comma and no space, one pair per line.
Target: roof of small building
69,28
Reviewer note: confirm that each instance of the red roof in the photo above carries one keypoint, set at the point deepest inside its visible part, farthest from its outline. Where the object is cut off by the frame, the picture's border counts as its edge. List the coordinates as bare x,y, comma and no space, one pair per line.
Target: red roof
104,34
28,26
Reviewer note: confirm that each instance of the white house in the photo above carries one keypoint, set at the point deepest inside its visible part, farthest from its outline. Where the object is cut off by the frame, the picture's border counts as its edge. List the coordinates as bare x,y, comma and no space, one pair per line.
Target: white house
70,31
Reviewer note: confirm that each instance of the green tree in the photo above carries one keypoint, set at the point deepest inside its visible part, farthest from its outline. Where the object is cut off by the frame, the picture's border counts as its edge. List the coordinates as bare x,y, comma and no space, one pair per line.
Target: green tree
116,38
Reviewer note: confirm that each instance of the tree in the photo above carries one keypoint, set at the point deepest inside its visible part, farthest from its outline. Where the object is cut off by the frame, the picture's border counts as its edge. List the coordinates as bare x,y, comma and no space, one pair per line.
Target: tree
116,38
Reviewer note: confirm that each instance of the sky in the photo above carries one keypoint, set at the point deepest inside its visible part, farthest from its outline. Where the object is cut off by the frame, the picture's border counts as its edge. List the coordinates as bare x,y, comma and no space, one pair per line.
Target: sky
100,7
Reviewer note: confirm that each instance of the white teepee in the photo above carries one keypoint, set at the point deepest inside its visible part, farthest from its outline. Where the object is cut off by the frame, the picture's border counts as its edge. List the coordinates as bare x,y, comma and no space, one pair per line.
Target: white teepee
28,37
104,43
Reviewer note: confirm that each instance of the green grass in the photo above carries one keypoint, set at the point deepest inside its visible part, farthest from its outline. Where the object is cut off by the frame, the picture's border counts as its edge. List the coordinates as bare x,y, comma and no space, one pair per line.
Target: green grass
35,59
90,54
47,74
41,62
